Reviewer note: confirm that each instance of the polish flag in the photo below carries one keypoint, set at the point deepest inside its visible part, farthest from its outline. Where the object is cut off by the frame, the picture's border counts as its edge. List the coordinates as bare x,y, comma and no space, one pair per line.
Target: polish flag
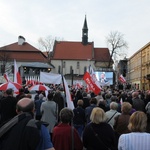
17,77
6,77
122,79
91,80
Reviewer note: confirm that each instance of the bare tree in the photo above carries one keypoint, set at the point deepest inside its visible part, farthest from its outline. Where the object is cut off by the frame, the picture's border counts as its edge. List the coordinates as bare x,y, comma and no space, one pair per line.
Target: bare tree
116,44
4,58
46,44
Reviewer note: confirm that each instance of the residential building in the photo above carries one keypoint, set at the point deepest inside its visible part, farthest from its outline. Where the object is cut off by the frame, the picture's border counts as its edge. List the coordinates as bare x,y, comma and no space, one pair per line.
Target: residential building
139,68
29,59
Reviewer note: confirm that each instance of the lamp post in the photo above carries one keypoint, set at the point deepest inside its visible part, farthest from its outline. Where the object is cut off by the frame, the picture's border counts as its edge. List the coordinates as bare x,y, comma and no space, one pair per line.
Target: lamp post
72,77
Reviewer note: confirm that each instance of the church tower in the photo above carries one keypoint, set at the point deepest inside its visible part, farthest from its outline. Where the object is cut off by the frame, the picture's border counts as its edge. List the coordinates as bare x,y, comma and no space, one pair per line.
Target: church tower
85,33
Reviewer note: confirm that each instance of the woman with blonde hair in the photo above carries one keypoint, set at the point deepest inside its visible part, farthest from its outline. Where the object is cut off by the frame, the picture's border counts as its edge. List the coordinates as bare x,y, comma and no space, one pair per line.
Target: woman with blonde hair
98,134
138,139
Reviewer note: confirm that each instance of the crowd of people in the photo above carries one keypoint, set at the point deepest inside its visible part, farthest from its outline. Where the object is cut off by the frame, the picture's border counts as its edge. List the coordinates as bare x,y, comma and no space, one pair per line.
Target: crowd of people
111,120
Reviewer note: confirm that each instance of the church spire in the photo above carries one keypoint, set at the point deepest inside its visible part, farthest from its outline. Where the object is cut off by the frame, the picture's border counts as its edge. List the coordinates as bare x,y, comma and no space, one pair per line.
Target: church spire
85,32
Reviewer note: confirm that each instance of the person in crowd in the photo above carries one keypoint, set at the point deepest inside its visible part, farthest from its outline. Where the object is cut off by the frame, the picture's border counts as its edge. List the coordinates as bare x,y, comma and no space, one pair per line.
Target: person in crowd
122,121
115,98
86,100
88,110
99,97
8,106
129,97
38,103
102,104
21,94
58,98
138,139
78,95
79,117
65,137
49,110
98,134
108,100
112,113
23,132
137,103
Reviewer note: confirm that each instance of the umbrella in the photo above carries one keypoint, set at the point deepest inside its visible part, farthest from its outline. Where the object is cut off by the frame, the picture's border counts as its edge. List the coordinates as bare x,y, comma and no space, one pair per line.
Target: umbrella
39,88
12,85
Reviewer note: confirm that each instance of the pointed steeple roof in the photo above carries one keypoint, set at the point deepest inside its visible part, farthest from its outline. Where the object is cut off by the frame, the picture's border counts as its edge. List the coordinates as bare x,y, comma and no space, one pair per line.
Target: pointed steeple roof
85,24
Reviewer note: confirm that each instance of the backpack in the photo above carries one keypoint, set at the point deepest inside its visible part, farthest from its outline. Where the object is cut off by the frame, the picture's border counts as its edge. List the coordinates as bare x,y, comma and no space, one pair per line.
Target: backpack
16,133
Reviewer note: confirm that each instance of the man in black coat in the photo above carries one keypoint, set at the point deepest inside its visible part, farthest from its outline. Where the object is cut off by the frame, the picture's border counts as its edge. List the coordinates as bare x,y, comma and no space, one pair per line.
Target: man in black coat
7,106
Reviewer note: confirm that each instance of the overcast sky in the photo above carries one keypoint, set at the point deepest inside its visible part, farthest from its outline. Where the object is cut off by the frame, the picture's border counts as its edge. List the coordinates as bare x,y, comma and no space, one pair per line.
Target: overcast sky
64,19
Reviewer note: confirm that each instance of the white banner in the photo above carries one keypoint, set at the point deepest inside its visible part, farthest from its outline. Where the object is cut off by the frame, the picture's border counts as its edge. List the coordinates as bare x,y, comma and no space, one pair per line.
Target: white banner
50,78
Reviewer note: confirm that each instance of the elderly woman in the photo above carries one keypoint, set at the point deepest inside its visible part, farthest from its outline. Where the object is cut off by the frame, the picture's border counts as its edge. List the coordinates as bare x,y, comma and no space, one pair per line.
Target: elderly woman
122,121
138,139
65,137
98,134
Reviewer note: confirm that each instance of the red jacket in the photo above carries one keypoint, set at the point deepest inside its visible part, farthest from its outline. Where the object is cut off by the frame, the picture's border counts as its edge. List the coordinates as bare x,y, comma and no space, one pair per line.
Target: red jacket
62,138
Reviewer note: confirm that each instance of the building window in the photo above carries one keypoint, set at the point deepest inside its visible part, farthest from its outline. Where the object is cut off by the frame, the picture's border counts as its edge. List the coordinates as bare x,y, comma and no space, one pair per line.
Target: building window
78,65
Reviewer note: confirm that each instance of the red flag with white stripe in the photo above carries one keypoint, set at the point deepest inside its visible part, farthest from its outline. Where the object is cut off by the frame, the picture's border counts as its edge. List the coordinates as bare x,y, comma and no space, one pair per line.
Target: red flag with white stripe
91,80
122,79
17,77
6,77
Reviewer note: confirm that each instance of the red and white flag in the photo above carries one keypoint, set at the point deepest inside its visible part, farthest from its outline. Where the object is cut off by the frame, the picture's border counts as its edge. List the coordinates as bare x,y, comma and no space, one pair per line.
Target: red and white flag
69,100
17,77
6,77
122,79
91,80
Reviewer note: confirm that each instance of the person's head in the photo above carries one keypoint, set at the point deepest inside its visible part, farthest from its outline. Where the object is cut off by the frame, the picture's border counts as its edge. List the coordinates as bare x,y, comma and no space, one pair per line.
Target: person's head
50,96
135,94
29,96
21,90
103,75
25,105
84,94
66,115
107,96
80,102
126,107
9,92
41,96
113,105
138,122
93,101
98,115
114,98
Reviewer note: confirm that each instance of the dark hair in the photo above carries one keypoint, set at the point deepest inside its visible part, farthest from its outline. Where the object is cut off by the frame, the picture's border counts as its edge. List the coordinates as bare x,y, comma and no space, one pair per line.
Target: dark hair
66,115
50,96
9,91
93,100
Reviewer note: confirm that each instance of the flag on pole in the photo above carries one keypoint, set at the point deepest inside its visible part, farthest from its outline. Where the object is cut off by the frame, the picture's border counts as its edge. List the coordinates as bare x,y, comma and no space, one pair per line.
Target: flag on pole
91,80
122,79
17,77
68,95
6,77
